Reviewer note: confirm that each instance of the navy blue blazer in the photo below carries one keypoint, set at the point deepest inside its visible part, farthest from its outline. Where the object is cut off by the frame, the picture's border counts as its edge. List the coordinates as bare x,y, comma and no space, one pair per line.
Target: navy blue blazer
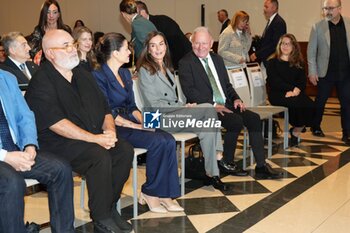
269,41
195,82
120,100
11,67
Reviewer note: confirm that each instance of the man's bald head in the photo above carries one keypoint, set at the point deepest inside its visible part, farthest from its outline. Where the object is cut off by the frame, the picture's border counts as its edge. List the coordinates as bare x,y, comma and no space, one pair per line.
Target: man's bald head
60,50
55,38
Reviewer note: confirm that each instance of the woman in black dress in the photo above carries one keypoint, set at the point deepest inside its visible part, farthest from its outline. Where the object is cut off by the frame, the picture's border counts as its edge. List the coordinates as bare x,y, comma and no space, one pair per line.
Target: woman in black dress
286,80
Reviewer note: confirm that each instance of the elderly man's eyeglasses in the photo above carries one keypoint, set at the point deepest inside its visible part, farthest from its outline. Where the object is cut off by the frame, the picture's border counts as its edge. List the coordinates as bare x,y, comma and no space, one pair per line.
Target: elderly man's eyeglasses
68,47
329,8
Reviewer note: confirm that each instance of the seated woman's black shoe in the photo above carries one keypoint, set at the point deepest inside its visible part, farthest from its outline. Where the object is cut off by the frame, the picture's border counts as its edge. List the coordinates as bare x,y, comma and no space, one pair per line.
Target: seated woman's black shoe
293,139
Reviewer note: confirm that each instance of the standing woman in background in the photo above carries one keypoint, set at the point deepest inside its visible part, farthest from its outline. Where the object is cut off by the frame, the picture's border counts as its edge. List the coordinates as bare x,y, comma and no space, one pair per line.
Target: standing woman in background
235,40
162,181
286,80
50,18
83,37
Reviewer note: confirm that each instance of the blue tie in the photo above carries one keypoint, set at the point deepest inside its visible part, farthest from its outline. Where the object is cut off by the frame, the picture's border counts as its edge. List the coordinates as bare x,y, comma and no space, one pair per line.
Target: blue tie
6,138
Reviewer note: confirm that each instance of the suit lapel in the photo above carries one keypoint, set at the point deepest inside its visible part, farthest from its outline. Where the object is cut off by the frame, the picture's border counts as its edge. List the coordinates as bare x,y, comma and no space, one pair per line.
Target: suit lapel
164,79
200,69
325,29
347,29
21,78
31,67
219,72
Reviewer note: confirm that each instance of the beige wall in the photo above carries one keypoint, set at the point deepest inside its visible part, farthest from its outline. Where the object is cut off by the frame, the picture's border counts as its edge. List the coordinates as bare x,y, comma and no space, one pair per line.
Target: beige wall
103,15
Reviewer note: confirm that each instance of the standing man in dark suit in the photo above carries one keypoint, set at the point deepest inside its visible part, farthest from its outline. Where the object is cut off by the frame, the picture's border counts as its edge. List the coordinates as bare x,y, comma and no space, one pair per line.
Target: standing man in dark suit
223,18
204,79
328,56
275,28
17,61
178,43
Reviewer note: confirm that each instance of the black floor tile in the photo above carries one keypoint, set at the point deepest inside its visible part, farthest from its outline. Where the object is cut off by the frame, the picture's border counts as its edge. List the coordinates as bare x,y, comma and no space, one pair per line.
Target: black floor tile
207,205
292,162
193,185
163,225
245,187
318,149
86,228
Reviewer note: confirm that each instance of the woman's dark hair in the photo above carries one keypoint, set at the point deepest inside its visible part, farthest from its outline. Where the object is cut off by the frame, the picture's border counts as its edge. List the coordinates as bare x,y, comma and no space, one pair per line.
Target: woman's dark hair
128,6
97,36
146,60
79,21
110,42
43,16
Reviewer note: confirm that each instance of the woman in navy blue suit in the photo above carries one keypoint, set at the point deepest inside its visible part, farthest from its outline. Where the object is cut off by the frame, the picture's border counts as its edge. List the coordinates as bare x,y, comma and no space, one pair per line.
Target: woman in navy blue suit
162,183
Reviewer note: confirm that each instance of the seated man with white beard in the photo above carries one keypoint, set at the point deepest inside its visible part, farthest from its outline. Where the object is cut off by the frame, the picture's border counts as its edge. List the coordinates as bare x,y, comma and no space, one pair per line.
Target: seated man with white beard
74,121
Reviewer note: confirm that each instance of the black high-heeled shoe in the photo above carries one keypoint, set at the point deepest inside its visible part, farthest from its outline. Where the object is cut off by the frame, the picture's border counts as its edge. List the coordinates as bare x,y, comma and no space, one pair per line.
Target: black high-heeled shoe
293,139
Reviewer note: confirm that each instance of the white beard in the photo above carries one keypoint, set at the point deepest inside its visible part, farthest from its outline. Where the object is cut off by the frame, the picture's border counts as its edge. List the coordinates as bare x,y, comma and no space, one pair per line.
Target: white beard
68,63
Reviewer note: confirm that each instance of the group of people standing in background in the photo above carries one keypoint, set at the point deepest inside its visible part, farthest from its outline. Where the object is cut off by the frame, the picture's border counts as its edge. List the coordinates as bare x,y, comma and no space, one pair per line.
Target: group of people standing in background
279,53
86,119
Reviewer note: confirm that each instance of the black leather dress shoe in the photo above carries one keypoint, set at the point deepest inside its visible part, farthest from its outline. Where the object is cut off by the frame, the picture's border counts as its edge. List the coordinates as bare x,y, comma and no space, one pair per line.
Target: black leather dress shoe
123,225
216,183
317,132
267,172
231,168
106,226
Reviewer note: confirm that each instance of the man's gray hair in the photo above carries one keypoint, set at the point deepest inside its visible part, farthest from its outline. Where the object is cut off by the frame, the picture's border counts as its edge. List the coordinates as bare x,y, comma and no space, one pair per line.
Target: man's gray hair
201,29
8,39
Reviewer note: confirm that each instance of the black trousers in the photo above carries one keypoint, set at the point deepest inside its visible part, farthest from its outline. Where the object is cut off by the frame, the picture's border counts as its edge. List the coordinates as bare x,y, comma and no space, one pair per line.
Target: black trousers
324,89
106,172
233,123
301,108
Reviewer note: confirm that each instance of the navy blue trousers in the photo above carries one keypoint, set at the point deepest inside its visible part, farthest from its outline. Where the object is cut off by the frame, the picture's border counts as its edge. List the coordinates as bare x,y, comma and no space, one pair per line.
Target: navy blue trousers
162,178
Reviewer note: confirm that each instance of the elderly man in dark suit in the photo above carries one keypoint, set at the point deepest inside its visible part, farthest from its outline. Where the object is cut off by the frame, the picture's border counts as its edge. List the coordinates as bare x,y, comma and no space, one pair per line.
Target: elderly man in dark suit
275,28
17,61
179,45
204,79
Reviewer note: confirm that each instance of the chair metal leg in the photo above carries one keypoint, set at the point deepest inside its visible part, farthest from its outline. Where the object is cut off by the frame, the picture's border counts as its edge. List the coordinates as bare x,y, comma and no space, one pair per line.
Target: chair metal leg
269,141
244,148
134,186
82,192
286,131
182,168
119,207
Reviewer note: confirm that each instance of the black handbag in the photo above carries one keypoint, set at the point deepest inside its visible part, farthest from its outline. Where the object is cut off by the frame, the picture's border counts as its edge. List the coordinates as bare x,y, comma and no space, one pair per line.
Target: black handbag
194,163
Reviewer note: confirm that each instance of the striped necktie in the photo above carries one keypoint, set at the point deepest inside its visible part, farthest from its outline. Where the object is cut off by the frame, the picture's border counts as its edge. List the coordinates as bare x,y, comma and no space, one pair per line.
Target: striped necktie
216,92
24,70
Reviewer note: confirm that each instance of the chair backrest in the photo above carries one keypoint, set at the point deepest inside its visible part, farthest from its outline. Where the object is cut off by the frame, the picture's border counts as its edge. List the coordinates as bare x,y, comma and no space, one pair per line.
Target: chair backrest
239,82
257,85
181,95
138,97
